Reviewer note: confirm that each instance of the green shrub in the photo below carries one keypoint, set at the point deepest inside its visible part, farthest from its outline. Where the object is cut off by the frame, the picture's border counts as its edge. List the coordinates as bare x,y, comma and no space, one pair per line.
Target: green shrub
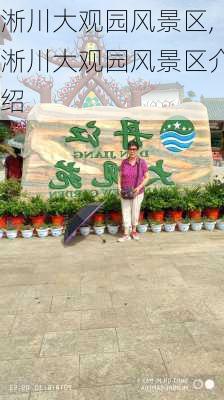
9,189
192,198
111,201
36,206
15,207
3,208
213,195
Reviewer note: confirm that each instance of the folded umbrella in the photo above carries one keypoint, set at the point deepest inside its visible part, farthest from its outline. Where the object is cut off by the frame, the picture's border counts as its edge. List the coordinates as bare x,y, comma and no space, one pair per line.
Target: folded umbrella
81,217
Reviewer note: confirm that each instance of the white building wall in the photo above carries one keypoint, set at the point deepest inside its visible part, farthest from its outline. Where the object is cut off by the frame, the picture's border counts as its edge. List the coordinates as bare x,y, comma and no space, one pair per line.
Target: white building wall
161,98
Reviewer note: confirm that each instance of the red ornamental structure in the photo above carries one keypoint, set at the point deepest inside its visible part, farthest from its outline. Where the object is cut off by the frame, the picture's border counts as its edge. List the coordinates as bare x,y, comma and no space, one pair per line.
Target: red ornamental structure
79,87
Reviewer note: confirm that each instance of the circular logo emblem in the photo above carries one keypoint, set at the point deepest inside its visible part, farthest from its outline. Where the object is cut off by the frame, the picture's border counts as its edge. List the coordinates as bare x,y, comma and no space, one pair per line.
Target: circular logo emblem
177,134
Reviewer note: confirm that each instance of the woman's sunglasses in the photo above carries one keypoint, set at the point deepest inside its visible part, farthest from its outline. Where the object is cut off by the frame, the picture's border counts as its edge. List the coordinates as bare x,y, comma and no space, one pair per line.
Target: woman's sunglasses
133,149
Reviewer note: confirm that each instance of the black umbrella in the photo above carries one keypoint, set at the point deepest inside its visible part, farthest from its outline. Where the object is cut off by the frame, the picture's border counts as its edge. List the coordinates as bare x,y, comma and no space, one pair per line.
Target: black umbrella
82,216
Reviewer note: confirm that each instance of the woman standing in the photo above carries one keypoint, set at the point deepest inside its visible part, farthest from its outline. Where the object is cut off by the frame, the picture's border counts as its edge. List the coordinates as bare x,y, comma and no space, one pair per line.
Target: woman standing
133,177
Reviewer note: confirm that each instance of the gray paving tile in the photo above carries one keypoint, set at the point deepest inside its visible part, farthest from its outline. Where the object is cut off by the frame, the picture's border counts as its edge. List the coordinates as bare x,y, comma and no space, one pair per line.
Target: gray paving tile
83,302
208,334
14,347
189,361
88,341
63,370
6,323
40,323
143,339
119,368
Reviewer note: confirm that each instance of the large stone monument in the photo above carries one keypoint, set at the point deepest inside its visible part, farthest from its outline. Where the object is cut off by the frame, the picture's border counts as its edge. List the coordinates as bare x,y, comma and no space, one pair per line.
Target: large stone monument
75,149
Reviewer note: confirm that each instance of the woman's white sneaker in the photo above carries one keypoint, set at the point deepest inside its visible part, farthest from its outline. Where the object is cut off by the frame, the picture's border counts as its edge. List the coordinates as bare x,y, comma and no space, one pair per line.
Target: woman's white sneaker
135,236
124,238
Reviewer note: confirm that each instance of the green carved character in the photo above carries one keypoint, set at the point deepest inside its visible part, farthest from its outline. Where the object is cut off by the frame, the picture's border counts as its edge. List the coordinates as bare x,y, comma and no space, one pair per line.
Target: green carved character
162,175
131,128
110,170
82,135
67,174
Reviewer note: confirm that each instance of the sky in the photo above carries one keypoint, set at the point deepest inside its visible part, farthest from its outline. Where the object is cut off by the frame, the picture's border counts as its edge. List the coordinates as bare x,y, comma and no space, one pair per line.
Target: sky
202,83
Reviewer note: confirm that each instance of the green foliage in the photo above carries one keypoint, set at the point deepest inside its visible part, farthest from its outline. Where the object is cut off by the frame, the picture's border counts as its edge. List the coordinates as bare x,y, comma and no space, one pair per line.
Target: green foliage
153,200
5,132
111,201
3,208
99,224
9,189
185,220
213,195
36,206
14,202
169,221
172,196
157,199
192,198
15,207
26,227
57,206
154,222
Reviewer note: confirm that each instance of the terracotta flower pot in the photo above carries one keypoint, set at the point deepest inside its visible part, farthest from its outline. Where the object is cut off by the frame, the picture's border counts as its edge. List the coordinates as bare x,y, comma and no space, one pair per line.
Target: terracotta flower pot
99,217
58,220
3,220
176,215
116,216
212,213
157,215
38,220
195,214
141,216
16,221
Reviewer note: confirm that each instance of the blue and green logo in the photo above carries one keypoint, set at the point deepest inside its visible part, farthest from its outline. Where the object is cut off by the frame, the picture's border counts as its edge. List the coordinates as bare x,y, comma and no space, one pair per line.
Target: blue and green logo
177,134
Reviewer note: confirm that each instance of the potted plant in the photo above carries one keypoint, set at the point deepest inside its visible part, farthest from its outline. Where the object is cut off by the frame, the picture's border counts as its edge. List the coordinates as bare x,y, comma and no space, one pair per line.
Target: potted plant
99,228
111,206
192,202
3,210
155,225
184,224
56,230
142,226
56,207
42,231
174,206
10,189
112,227
212,199
209,224
37,210
11,231
85,229
15,212
154,203
27,231
196,224
169,225
220,223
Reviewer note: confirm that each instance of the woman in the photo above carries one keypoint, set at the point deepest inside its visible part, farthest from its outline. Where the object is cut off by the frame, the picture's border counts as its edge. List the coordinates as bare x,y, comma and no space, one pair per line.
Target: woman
134,176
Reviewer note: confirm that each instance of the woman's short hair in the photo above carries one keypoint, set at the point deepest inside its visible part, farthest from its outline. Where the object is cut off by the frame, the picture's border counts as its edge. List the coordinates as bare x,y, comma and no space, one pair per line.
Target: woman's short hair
133,143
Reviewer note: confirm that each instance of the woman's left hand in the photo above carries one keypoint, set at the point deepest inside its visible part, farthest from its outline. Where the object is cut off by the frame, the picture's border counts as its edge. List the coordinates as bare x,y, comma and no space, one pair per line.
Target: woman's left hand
136,191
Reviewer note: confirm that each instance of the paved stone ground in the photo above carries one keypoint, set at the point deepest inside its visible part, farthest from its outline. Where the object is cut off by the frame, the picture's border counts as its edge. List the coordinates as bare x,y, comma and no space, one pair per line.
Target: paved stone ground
112,321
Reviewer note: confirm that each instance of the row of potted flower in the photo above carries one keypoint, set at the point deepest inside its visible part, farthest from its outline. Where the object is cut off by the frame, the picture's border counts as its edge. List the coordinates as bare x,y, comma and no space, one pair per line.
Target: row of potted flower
159,203
27,231
168,225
